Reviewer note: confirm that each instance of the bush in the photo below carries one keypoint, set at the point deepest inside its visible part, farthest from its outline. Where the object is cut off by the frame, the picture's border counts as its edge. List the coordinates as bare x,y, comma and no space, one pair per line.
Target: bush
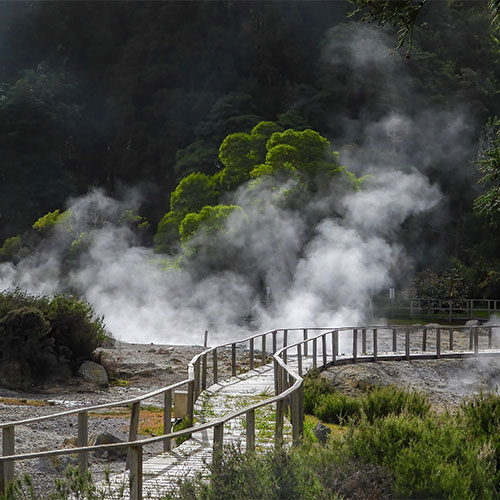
25,341
338,408
314,389
381,401
75,328
431,457
38,333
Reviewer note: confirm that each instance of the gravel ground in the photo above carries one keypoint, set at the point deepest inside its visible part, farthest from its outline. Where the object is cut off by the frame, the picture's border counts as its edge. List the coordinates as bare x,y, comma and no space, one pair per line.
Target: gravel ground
141,368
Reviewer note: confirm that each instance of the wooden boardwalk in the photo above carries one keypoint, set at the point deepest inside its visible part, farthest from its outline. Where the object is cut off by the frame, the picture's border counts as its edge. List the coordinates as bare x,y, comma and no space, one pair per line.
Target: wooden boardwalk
163,471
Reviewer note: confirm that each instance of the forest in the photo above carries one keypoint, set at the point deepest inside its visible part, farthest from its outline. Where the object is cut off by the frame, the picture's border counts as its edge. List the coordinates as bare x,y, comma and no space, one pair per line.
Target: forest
202,129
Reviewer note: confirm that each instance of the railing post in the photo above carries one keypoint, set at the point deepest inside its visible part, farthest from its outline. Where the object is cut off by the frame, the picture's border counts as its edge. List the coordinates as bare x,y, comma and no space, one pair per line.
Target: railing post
424,340
315,353
190,402
135,458
251,354
216,377
334,346
407,343
264,352
363,340
394,340
305,336
250,430
233,359
134,426
218,442
278,430
375,347
490,337
299,359
471,340
285,338
451,339
355,345
476,339
274,341
167,422
276,376
295,416
197,381
323,349
204,372
438,342
82,440
7,468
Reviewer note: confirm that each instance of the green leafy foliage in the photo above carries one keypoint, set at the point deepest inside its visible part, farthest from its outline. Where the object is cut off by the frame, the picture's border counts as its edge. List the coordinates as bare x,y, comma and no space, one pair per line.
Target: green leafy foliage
75,328
266,153
38,333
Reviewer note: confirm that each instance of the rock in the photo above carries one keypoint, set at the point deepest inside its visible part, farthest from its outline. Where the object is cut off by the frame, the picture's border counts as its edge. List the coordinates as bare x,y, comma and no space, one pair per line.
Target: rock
57,464
321,431
108,438
94,372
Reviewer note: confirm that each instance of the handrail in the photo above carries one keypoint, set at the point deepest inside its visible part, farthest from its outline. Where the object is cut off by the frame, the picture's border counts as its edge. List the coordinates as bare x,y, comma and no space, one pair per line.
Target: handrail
288,387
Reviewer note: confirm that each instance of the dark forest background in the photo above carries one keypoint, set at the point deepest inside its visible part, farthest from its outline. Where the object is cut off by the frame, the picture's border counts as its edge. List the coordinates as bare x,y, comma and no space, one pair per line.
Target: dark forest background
120,94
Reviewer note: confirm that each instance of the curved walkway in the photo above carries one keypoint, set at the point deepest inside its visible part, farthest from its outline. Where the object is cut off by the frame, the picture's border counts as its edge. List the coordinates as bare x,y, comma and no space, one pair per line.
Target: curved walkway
162,472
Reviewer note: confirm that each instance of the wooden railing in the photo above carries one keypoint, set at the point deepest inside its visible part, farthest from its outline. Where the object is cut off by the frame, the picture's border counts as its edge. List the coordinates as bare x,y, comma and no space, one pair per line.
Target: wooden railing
445,309
309,348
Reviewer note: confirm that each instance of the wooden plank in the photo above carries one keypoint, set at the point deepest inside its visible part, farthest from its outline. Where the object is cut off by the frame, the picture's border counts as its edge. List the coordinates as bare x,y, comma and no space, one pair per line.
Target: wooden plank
135,459
233,359
299,359
375,347
305,337
82,440
438,343
167,419
204,372
134,426
7,468
250,430
264,353
355,345
323,349
251,362
278,430
315,353
214,366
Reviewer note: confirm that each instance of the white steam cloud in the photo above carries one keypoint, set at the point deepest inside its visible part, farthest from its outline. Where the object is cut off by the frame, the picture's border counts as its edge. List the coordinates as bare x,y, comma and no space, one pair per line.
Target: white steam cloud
320,273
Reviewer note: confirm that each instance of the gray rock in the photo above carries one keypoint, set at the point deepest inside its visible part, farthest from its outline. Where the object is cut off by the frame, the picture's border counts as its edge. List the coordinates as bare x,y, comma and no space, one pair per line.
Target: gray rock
94,372
108,438
472,322
321,431
56,464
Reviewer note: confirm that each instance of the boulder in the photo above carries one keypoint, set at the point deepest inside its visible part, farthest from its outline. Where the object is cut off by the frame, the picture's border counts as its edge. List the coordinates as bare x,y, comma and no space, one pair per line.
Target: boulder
108,438
321,431
94,373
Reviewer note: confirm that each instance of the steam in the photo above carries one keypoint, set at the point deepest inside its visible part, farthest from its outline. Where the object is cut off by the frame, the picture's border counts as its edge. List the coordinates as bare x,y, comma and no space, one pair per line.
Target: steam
275,265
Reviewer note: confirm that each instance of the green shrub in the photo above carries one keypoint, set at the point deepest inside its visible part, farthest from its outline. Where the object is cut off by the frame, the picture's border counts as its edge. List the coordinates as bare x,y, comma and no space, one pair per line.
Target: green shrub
25,341
430,456
314,389
278,474
75,328
39,333
381,401
337,408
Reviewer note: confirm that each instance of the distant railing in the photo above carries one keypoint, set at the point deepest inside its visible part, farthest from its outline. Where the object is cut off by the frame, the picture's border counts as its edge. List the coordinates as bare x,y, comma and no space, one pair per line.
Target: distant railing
326,347
448,309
